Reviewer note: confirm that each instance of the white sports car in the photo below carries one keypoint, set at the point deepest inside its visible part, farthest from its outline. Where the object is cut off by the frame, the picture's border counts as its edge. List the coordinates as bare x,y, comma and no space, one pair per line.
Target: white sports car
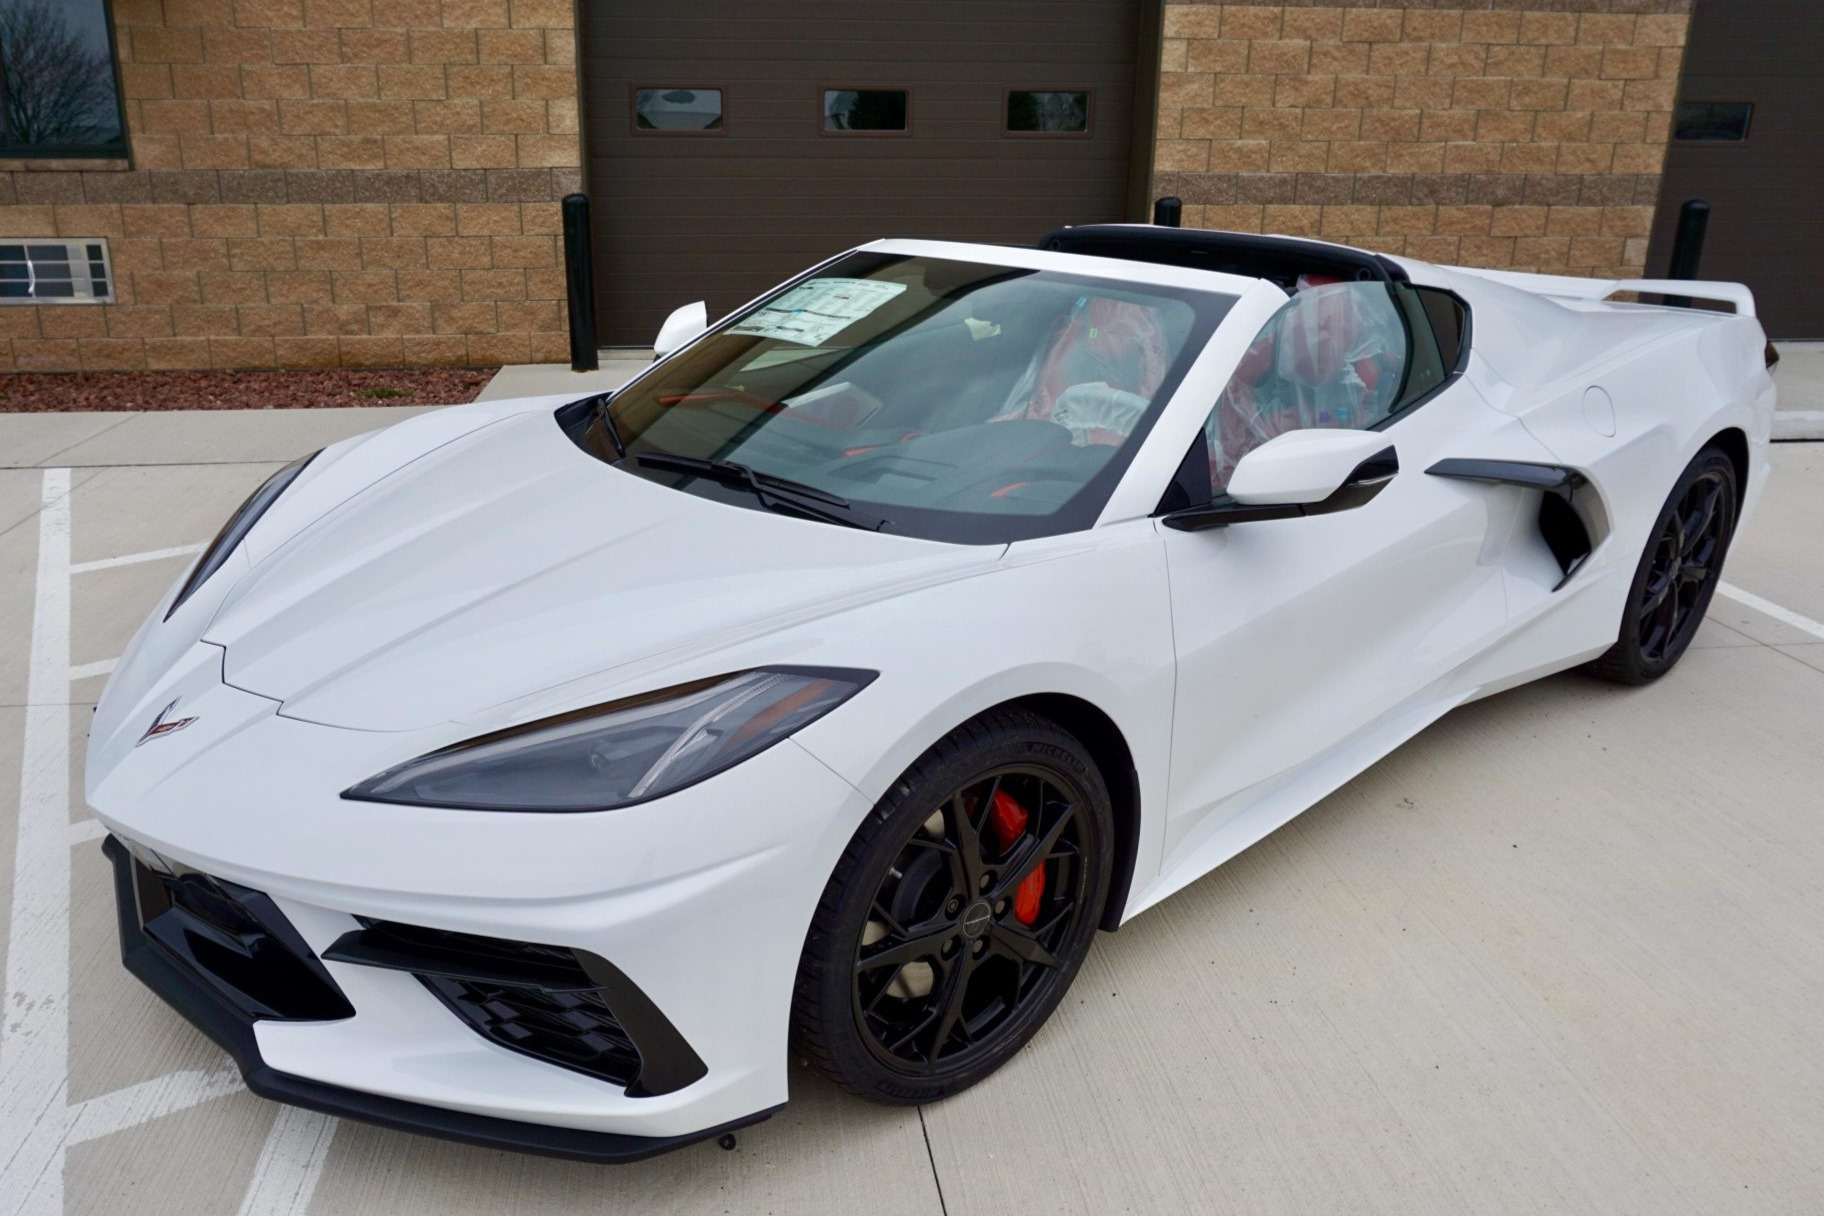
533,773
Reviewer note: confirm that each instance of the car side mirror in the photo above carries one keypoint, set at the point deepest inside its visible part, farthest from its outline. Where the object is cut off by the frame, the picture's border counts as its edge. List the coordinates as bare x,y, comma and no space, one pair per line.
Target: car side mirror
682,326
1307,472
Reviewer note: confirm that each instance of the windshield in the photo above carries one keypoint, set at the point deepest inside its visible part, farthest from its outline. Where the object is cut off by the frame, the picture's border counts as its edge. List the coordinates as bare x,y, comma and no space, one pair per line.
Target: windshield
953,400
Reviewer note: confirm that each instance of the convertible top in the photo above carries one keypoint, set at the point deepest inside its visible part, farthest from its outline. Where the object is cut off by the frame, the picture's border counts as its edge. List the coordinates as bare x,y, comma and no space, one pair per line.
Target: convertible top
1278,259
1281,259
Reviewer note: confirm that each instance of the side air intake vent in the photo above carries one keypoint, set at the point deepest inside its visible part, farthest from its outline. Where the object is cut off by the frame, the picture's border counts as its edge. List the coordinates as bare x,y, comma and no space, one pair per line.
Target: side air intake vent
1564,532
1571,522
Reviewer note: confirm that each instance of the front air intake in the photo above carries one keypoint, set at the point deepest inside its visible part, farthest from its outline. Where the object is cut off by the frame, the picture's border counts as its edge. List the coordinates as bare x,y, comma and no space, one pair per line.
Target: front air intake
564,1006
236,941
573,1028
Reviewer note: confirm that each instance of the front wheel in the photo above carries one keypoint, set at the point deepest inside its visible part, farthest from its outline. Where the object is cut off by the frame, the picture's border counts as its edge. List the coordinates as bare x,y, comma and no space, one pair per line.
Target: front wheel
1678,573
959,913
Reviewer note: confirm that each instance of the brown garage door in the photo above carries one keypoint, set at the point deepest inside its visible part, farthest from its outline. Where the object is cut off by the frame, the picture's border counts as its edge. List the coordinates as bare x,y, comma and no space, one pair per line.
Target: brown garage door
732,143
1749,140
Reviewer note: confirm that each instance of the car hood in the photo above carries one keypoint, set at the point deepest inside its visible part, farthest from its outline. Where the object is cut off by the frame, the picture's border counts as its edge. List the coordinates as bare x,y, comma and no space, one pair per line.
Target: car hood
509,562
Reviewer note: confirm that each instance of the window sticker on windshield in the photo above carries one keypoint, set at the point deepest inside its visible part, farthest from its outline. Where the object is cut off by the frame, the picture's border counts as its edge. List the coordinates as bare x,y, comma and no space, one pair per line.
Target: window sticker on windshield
812,313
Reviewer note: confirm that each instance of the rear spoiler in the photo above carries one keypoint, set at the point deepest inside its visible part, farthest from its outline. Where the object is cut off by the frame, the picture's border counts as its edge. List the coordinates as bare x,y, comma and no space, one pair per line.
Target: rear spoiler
1601,289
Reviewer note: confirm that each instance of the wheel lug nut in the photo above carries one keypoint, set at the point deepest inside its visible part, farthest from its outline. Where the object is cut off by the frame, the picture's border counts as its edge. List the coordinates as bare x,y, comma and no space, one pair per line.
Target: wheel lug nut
950,947
987,881
954,906
980,945
1000,909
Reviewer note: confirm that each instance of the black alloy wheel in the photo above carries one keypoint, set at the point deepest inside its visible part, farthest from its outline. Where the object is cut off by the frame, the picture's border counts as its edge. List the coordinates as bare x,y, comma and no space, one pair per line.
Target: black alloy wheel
950,953
1678,572
1686,557
963,908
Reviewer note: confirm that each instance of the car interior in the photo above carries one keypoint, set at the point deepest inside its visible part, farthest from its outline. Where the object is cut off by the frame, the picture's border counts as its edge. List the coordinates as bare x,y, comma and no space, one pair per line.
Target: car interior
953,387
979,389
1355,345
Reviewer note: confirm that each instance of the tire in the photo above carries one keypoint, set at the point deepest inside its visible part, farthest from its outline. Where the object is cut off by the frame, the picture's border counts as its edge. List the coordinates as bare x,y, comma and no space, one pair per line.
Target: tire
896,932
1677,575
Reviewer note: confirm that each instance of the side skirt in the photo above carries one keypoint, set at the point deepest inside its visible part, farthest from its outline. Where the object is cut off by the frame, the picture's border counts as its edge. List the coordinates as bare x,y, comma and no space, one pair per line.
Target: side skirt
1250,816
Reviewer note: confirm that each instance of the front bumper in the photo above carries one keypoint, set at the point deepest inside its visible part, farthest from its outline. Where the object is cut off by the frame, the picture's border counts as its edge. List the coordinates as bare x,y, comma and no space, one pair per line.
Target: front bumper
701,899
225,1021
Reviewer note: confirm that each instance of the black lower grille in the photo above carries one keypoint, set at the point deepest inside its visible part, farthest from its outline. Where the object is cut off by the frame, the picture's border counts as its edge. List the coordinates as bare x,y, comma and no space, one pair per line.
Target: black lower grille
574,1029
237,941
563,1006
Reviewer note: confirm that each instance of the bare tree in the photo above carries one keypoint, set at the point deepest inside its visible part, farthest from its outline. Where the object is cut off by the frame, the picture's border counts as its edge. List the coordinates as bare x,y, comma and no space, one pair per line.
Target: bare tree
55,88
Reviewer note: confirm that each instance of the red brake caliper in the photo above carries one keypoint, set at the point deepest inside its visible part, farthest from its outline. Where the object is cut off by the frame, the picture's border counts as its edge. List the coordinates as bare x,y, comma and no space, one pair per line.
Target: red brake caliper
1009,821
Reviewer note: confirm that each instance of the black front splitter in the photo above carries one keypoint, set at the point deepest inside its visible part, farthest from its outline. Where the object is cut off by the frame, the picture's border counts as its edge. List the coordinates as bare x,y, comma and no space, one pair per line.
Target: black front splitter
205,1009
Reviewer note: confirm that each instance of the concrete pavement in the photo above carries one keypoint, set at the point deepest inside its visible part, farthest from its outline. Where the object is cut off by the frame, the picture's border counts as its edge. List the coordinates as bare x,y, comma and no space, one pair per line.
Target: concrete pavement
538,379
1563,952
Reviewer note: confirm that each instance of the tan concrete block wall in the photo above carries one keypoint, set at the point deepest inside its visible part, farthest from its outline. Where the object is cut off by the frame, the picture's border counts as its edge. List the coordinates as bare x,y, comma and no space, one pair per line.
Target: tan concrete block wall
1521,134
318,183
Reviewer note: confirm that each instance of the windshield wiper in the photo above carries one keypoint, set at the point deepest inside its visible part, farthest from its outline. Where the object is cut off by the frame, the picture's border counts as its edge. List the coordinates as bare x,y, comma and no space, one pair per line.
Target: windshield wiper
773,492
604,416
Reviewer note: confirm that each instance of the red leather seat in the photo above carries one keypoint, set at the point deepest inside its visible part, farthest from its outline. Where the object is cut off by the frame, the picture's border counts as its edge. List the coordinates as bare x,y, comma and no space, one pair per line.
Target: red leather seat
1106,342
1322,361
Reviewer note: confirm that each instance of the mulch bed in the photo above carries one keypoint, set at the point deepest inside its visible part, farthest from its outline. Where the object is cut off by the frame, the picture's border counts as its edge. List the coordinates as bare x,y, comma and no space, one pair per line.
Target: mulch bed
47,393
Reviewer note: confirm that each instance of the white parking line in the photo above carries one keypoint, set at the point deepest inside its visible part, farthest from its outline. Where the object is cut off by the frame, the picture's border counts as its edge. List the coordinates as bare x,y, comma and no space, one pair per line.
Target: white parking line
1769,608
291,1161
34,1033
133,559
149,1100
37,1120
86,831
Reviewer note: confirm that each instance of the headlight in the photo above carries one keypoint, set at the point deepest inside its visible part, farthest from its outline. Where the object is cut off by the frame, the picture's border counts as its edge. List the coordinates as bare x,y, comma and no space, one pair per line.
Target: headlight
237,527
621,753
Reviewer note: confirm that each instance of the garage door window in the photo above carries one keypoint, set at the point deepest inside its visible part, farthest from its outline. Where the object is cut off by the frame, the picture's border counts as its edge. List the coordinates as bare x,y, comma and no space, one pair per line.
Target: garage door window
875,111
1048,111
1713,121
677,110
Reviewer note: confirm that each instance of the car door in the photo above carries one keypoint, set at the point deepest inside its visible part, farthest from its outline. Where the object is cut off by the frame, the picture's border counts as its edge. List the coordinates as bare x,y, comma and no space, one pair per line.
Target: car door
1295,634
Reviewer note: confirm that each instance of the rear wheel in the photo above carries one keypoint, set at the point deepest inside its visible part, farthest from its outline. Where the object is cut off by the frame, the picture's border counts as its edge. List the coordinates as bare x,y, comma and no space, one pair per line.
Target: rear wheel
959,913
1678,573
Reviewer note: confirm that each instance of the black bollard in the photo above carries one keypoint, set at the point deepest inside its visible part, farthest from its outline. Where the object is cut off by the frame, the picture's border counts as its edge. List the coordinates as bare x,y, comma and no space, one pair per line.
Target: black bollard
1688,245
579,279
1168,212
